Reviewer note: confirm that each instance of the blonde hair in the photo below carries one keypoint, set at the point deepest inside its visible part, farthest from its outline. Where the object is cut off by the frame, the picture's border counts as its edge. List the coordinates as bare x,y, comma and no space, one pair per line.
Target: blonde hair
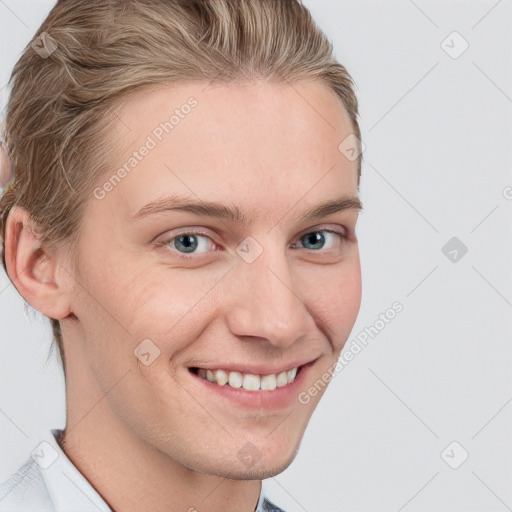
89,54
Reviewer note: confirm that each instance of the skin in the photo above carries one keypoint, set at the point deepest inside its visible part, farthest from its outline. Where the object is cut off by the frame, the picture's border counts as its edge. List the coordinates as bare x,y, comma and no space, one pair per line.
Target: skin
148,437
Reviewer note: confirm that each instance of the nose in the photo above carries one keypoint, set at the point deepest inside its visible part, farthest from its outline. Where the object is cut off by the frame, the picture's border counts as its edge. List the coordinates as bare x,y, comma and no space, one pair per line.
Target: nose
266,302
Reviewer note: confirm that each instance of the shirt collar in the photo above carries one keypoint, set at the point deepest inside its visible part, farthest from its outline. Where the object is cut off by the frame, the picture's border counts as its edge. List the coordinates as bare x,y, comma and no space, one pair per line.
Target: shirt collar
68,487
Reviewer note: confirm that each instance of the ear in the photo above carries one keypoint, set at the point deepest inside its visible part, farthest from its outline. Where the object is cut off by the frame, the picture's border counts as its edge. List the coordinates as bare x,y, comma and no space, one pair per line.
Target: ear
35,273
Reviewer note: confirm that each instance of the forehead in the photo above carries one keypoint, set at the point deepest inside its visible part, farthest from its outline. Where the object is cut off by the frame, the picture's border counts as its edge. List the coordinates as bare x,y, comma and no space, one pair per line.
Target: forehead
263,144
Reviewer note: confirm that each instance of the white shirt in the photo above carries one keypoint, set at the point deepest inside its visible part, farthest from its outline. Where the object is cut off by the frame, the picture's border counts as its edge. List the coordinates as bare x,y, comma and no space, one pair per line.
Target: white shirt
49,482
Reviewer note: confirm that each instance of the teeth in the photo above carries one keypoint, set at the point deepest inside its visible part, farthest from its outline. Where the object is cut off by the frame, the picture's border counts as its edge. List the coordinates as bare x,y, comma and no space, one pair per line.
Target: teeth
268,382
249,381
235,379
282,379
221,377
290,374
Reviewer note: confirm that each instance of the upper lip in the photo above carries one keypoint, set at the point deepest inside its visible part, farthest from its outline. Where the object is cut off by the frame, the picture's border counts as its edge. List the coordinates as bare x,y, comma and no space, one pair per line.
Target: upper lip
256,369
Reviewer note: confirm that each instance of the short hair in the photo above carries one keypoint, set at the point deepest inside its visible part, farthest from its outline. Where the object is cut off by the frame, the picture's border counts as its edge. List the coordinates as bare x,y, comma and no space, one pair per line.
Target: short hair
99,51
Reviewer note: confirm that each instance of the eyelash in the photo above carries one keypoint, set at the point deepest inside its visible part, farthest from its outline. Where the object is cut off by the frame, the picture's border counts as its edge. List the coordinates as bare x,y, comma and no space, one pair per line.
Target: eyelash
166,242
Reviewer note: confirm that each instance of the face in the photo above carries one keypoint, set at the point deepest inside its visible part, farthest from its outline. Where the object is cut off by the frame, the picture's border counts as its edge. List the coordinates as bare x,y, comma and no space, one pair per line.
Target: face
252,286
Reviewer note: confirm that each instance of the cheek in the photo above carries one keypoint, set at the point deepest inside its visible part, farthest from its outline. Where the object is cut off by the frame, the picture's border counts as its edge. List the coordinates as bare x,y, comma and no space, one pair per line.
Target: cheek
168,306
338,299
349,292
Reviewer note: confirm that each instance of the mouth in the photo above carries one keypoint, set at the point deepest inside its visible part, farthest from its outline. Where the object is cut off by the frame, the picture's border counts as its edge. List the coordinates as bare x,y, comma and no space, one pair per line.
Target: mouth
239,385
249,381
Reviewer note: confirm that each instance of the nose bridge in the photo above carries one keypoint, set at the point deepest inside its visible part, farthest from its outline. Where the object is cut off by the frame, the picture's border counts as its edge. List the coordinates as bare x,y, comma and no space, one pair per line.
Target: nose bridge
265,302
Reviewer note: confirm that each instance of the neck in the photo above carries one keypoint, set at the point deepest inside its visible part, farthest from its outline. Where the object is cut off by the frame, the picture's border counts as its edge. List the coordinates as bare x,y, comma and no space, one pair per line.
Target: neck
132,475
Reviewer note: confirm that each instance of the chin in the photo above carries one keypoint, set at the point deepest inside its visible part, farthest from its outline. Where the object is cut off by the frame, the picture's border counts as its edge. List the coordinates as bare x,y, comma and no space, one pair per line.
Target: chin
249,463
260,470
246,463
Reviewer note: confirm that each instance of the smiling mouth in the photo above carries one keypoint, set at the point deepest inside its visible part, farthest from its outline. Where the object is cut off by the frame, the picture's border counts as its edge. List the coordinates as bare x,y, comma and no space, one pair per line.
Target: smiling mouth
248,381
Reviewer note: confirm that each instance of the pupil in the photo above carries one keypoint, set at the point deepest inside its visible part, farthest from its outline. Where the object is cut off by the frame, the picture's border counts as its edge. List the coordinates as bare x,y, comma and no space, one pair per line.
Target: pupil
188,241
315,239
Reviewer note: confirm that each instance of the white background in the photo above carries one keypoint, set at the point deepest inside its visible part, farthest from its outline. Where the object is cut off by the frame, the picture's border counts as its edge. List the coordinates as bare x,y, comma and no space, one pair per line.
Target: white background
438,158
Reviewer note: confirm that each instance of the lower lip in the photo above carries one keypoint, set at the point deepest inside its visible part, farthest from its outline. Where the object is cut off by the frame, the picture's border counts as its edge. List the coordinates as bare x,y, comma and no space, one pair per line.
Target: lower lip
278,398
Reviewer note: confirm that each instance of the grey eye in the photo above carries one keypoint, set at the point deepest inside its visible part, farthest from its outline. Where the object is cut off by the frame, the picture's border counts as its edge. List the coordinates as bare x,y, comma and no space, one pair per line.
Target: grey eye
323,239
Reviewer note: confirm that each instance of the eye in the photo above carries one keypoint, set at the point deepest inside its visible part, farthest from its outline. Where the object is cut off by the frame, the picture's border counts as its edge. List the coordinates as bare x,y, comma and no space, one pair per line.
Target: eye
316,240
188,243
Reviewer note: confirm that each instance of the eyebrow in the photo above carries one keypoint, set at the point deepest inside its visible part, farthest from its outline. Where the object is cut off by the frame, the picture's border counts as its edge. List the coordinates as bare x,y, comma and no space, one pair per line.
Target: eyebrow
234,214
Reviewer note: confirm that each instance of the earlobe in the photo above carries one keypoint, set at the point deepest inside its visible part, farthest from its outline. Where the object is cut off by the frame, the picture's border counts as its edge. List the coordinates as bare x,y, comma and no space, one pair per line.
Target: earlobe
33,271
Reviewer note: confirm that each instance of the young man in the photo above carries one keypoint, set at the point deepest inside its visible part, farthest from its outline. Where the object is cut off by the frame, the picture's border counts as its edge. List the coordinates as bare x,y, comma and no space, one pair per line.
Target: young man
186,217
